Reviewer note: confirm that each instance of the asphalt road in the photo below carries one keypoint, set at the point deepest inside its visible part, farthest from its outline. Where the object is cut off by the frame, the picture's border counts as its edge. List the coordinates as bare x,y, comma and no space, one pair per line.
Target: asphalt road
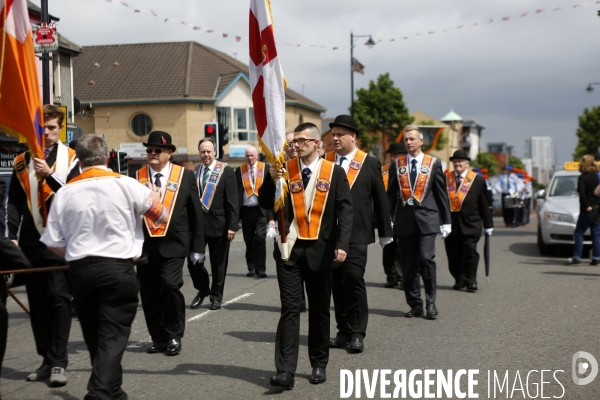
534,314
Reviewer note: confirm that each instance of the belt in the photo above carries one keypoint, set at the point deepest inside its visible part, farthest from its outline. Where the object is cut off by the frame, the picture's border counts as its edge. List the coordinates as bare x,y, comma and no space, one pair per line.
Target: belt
101,259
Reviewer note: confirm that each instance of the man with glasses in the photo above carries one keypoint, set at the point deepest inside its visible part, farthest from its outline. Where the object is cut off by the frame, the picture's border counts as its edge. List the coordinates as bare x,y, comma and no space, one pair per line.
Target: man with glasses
166,245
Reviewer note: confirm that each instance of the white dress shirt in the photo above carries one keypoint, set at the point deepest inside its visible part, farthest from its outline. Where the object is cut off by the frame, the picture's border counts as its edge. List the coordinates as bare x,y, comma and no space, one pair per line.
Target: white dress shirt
312,166
251,201
349,158
165,172
99,217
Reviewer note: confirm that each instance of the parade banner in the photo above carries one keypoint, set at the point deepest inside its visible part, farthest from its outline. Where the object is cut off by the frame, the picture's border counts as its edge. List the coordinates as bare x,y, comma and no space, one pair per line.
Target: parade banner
21,114
268,89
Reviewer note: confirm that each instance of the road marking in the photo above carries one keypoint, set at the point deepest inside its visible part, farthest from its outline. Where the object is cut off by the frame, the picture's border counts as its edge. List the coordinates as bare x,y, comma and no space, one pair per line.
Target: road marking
196,317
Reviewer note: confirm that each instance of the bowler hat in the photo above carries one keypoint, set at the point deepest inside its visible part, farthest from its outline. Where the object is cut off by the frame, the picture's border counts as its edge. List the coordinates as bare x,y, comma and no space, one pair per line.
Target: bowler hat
160,138
345,121
397,148
461,155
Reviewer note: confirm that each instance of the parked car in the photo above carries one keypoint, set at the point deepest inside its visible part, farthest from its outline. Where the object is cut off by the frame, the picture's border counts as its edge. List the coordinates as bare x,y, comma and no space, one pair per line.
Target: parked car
558,210
5,174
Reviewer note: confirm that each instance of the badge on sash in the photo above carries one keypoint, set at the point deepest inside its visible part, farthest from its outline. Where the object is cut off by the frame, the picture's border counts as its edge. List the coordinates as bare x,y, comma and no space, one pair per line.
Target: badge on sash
296,186
402,171
323,185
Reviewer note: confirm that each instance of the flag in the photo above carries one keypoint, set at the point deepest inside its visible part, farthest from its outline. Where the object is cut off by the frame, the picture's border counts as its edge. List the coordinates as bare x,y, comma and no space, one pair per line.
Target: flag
21,113
268,89
357,67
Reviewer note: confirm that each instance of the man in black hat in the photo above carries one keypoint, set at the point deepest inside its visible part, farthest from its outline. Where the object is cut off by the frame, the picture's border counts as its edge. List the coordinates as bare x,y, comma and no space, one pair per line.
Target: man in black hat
368,194
470,213
391,267
167,245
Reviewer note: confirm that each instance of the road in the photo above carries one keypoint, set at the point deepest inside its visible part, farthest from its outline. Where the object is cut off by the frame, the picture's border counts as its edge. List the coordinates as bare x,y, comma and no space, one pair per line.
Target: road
534,314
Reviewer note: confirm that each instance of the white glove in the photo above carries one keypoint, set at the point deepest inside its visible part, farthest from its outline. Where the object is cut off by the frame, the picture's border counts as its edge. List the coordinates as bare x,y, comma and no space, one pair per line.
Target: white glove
196,258
446,229
272,232
489,231
384,241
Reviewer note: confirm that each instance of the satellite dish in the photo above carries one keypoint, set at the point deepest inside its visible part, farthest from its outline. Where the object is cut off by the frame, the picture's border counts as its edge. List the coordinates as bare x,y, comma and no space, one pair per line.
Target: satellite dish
76,105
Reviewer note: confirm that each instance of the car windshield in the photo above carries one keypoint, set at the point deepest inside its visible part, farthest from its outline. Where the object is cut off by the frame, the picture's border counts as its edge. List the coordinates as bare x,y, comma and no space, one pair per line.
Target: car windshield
564,186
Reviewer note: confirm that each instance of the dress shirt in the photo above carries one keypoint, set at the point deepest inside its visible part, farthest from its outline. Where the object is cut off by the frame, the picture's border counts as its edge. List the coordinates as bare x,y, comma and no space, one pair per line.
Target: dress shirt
251,201
99,217
312,166
165,172
349,158
419,159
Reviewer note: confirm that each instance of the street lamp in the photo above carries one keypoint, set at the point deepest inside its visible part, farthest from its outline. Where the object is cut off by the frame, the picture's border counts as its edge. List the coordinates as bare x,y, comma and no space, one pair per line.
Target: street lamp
369,43
590,89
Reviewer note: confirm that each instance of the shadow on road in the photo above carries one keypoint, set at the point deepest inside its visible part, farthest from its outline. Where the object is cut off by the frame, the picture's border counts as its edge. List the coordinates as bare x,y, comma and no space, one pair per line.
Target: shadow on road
524,249
269,276
570,273
63,395
261,337
513,232
252,307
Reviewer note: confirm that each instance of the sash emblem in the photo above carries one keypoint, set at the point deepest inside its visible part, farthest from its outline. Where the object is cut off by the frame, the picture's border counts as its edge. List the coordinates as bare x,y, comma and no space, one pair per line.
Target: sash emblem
172,186
424,170
402,170
296,186
323,184
355,164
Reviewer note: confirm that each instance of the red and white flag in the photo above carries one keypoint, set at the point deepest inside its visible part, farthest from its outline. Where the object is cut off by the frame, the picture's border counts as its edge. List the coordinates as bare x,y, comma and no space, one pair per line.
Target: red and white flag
268,88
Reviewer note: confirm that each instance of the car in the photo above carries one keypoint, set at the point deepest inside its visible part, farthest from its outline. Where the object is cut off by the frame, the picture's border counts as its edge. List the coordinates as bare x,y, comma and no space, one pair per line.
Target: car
5,174
558,210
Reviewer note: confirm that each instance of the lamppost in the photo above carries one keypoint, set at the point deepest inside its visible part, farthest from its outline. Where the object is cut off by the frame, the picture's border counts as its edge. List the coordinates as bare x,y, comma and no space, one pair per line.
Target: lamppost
45,58
590,89
369,43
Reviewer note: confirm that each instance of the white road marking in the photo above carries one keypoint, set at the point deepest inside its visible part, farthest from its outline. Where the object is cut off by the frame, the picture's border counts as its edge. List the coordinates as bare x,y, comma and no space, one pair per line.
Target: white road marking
196,317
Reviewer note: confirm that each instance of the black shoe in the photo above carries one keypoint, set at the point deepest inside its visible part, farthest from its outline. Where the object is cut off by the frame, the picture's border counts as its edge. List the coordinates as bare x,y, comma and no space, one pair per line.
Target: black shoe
157,347
197,302
390,284
250,273
432,312
284,380
416,311
262,275
173,347
215,305
458,286
357,345
400,284
472,287
594,262
339,342
318,376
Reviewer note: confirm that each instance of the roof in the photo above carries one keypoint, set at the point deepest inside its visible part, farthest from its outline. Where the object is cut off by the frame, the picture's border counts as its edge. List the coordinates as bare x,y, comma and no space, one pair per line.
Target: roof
160,72
421,117
451,116
35,9
67,45
471,123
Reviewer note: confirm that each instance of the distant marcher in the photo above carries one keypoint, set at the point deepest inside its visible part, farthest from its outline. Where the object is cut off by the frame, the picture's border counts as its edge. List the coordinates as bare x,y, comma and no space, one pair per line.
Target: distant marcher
508,186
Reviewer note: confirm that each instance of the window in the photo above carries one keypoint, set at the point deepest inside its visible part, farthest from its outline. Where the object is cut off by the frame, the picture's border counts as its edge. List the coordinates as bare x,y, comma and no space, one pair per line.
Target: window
141,124
242,127
224,117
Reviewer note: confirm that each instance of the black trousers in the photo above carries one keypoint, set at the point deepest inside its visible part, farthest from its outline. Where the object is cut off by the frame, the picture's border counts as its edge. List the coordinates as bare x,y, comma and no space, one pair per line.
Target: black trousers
508,214
391,267
418,259
218,249
164,305
318,290
105,293
254,229
350,293
50,307
463,257
277,258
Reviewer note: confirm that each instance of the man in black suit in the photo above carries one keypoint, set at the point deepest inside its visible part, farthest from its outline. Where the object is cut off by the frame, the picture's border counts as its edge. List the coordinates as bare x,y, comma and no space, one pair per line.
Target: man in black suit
311,251
470,213
219,200
48,292
250,177
366,186
418,200
167,245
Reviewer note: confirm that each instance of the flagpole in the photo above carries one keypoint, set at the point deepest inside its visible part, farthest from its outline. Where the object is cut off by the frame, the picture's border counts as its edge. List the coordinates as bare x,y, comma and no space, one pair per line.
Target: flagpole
45,58
351,74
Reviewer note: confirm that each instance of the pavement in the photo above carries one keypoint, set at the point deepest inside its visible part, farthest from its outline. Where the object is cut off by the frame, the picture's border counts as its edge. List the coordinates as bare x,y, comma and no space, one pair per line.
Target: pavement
534,314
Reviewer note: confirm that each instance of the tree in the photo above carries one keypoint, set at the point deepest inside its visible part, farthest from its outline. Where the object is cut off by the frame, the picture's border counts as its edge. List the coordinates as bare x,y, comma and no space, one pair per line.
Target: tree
380,108
486,160
515,162
588,133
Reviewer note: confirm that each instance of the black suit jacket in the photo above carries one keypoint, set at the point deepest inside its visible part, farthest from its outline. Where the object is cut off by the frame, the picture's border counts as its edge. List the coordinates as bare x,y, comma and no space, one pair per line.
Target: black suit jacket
240,186
223,212
368,195
475,212
336,223
185,234
12,256
434,208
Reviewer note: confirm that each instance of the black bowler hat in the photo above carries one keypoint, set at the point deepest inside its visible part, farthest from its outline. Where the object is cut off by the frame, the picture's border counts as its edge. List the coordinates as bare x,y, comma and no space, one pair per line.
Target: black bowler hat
461,155
345,121
160,138
397,148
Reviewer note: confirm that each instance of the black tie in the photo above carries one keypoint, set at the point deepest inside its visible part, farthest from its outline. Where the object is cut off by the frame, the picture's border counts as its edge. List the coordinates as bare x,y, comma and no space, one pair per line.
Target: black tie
157,180
413,172
306,173
458,182
342,159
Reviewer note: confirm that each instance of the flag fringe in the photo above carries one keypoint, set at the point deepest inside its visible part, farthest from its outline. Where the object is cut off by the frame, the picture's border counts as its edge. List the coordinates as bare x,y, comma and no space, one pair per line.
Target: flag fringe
278,162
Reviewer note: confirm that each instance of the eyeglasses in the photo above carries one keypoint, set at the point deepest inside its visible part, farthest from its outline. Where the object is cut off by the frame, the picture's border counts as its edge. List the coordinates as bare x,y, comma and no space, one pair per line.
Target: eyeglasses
300,142
157,151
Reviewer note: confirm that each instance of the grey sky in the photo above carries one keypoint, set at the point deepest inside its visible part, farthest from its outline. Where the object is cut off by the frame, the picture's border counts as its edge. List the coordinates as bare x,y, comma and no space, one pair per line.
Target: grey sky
518,78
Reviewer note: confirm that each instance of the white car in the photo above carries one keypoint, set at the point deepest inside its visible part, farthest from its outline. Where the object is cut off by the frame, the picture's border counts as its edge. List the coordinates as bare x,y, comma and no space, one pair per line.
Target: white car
558,210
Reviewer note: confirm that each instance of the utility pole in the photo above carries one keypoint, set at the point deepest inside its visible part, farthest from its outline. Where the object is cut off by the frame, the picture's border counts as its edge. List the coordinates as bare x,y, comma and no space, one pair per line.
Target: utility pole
45,58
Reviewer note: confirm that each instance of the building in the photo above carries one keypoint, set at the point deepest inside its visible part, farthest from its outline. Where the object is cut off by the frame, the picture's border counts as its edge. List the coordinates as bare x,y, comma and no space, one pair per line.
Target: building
501,151
126,91
541,151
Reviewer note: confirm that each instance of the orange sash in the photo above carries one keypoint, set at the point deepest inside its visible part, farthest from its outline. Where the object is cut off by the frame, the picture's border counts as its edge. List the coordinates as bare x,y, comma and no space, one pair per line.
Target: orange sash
260,171
355,164
385,174
458,196
94,173
309,227
411,196
168,197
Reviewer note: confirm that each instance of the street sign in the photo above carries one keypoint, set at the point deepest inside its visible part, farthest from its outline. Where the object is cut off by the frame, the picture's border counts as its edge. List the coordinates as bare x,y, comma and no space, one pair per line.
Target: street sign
45,38
135,151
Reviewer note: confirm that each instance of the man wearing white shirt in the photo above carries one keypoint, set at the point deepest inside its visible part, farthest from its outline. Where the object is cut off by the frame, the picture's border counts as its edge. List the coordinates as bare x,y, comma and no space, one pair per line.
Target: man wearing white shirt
508,185
95,225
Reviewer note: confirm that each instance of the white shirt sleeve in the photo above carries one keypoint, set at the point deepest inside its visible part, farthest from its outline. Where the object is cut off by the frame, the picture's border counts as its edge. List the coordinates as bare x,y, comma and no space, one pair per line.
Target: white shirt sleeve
53,235
140,195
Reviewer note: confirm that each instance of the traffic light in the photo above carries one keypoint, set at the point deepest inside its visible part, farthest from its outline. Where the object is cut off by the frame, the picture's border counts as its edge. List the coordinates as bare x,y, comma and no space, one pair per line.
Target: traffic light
211,130
113,161
123,163
223,138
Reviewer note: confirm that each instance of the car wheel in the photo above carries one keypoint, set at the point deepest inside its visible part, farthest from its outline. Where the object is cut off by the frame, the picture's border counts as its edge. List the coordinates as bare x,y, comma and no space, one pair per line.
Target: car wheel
9,279
544,249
